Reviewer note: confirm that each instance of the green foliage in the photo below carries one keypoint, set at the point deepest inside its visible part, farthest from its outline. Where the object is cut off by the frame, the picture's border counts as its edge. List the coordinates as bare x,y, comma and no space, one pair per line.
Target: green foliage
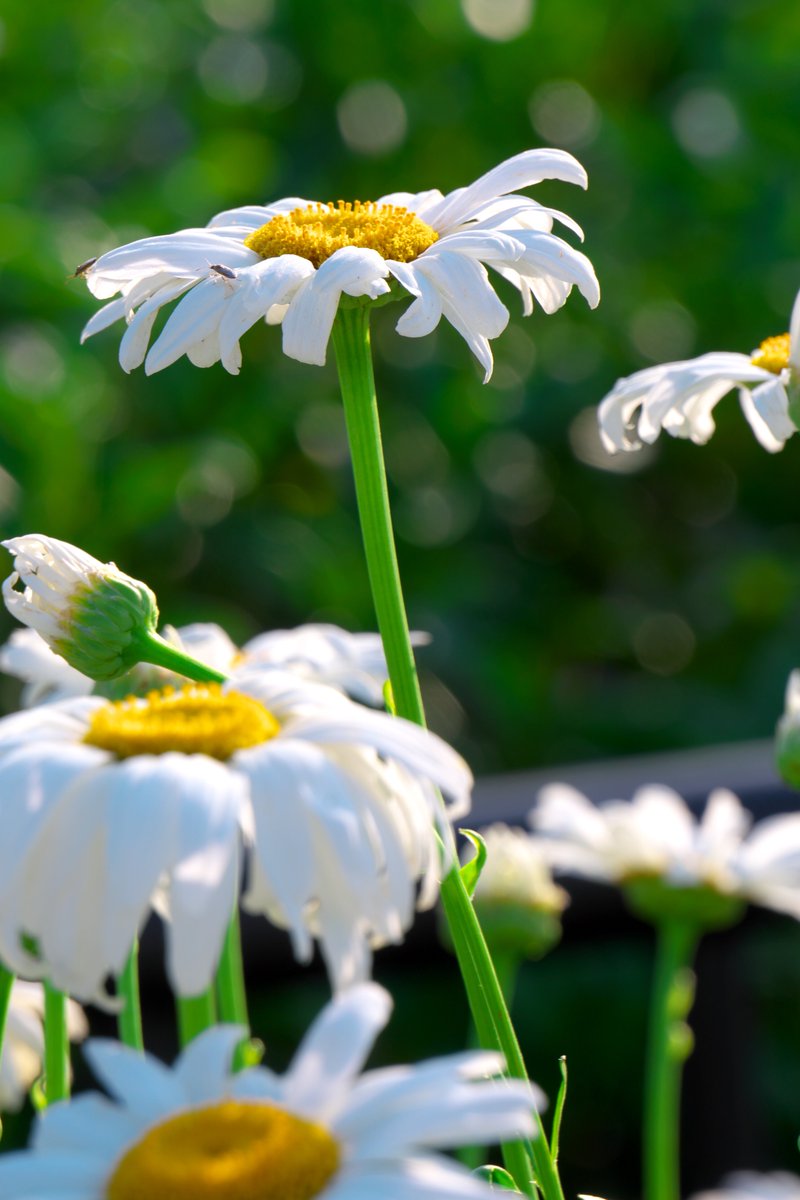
576,610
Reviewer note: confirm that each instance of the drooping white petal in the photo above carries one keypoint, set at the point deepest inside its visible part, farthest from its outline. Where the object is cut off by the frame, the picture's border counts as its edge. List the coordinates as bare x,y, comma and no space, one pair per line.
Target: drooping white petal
135,340
269,283
523,170
308,323
767,410
197,315
105,316
794,335
189,253
421,317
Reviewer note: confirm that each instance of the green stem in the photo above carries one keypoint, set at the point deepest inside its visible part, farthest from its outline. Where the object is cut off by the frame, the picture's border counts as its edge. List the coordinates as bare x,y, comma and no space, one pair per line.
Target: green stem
56,1045
489,1011
130,1018
231,990
195,1014
6,985
154,649
668,1047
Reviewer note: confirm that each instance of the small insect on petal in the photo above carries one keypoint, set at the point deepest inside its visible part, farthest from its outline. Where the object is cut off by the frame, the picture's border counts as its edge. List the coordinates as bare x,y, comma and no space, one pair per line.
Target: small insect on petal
81,270
225,272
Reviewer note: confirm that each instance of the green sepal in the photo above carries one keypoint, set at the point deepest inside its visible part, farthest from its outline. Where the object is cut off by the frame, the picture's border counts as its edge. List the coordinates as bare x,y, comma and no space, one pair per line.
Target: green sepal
656,901
111,617
471,871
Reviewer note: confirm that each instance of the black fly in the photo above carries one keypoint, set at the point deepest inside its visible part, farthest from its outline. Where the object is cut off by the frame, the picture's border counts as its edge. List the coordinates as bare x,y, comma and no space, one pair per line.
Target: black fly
80,271
225,272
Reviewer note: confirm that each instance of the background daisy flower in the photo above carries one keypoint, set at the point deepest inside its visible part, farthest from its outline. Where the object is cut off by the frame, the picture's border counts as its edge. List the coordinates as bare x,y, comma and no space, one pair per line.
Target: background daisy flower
111,808
321,1131
654,835
680,397
23,1042
292,261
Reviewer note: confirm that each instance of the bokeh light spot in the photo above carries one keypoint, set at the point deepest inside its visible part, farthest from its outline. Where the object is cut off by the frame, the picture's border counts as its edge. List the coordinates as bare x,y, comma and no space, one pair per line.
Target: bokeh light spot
372,117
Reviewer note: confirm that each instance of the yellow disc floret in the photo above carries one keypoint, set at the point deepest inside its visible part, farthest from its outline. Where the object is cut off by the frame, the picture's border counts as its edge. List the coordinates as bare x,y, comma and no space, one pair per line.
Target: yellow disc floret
773,354
228,1151
198,719
317,231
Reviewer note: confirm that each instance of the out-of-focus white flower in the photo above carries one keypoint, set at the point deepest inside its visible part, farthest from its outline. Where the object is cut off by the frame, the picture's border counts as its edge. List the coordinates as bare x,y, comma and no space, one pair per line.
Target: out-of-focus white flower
292,261
654,836
112,807
23,1044
352,662
517,872
89,612
321,1131
515,897
680,397
751,1185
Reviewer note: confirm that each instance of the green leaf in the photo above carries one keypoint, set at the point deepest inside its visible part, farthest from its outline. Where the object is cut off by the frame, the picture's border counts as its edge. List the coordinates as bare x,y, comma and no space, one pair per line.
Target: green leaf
558,1111
496,1177
471,871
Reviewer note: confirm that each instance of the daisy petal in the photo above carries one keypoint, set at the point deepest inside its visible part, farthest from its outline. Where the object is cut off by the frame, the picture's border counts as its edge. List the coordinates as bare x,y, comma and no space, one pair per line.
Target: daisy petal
308,323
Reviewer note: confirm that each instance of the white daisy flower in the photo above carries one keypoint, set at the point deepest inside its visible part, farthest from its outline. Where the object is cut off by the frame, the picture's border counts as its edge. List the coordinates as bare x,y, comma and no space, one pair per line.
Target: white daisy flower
752,1185
654,835
111,807
518,903
290,263
23,1043
517,872
89,612
681,396
352,662
322,1131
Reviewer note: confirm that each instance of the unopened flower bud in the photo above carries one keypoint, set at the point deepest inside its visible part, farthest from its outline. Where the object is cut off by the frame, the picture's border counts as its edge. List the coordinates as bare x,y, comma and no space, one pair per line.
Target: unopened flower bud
517,902
91,613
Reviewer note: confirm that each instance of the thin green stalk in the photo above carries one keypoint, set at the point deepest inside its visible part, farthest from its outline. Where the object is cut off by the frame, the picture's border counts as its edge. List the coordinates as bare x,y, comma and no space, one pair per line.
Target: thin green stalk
354,362
6,984
669,1044
56,1045
154,649
195,1014
231,990
129,1021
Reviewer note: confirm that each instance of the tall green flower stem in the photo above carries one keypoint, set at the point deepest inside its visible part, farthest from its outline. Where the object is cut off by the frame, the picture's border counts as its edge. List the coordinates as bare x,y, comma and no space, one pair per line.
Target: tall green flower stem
6,984
130,1017
354,362
56,1045
231,989
195,1014
669,1045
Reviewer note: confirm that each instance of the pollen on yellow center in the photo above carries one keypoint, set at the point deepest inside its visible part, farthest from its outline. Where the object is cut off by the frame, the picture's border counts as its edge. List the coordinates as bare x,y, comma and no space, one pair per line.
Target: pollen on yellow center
317,231
198,719
227,1151
773,354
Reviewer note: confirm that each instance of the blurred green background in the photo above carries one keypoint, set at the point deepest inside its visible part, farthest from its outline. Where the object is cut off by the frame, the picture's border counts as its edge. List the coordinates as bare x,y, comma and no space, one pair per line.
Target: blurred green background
581,606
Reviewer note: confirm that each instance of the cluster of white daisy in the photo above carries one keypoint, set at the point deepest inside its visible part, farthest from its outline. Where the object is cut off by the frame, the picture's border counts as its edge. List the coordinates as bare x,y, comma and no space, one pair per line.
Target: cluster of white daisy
275,779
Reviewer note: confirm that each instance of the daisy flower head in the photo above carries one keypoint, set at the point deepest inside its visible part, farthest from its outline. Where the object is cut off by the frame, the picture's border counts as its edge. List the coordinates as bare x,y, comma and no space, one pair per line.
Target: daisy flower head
23,1043
325,1130
667,861
112,808
291,262
680,397
515,897
352,662
89,612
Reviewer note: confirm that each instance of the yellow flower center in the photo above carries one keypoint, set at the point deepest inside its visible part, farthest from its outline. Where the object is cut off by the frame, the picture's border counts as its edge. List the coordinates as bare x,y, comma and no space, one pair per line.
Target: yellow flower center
198,719
228,1151
317,231
773,354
